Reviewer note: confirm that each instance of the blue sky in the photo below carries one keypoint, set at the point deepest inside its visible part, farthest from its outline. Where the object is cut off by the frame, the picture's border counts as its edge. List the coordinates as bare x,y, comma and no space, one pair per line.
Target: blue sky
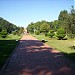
23,12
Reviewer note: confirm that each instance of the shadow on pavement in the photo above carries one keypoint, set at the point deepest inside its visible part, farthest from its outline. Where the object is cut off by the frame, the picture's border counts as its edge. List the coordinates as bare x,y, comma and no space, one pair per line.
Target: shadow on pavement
32,57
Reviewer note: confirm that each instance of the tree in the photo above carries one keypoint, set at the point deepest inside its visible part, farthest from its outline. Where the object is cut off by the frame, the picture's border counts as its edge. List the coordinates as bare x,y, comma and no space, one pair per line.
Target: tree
55,25
66,20
71,21
5,25
44,27
30,27
51,25
40,26
63,19
51,33
0,28
61,33
21,30
3,33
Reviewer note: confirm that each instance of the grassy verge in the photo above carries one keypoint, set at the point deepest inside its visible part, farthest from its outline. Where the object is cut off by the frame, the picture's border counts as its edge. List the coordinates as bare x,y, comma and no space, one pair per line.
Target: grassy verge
6,47
64,46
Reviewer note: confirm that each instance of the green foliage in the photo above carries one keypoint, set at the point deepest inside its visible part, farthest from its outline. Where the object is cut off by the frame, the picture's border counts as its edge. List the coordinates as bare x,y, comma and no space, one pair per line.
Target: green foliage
51,33
55,25
63,19
3,36
71,21
63,15
66,20
0,28
3,33
41,26
44,27
71,36
19,31
37,32
46,34
30,28
65,38
61,33
14,32
5,25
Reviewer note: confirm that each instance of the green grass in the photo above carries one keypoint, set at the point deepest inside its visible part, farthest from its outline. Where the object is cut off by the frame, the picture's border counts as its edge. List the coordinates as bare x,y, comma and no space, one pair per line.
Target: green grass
64,46
7,45
11,37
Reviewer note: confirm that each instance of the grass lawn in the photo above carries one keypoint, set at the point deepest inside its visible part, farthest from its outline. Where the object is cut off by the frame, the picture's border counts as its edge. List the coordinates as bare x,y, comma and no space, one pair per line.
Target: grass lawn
64,46
6,47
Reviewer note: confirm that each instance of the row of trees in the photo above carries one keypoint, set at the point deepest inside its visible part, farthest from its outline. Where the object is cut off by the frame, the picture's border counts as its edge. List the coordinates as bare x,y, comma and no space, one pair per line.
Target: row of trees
65,24
8,28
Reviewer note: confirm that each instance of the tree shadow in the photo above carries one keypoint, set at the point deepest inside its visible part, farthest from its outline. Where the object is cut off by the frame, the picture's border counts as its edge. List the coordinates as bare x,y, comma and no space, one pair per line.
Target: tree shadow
71,56
32,57
72,47
6,48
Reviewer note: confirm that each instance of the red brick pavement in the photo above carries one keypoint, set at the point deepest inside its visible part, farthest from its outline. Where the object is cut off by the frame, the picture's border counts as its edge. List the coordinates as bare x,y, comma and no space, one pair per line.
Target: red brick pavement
33,57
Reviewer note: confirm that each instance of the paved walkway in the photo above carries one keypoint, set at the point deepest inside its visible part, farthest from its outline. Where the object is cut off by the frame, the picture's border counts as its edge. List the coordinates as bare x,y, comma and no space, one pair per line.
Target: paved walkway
32,57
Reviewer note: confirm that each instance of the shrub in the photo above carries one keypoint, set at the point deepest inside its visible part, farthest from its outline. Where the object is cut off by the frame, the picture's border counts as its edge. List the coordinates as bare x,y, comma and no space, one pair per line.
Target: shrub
18,33
61,33
46,34
65,38
3,33
71,36
51,33
14,32
37,32
3,36
61,36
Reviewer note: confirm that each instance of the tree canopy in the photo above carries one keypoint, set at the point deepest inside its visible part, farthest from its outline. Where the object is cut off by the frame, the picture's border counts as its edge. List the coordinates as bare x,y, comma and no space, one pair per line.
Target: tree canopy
66,20
7,27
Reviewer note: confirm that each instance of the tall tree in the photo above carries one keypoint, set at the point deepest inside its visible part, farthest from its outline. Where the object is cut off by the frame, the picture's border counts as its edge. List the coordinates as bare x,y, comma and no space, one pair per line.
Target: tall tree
30,27
5,25
55,25
71,21
63,18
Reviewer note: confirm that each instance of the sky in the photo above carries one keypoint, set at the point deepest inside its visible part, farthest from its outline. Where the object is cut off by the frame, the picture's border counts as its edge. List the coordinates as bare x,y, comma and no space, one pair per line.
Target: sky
23,12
